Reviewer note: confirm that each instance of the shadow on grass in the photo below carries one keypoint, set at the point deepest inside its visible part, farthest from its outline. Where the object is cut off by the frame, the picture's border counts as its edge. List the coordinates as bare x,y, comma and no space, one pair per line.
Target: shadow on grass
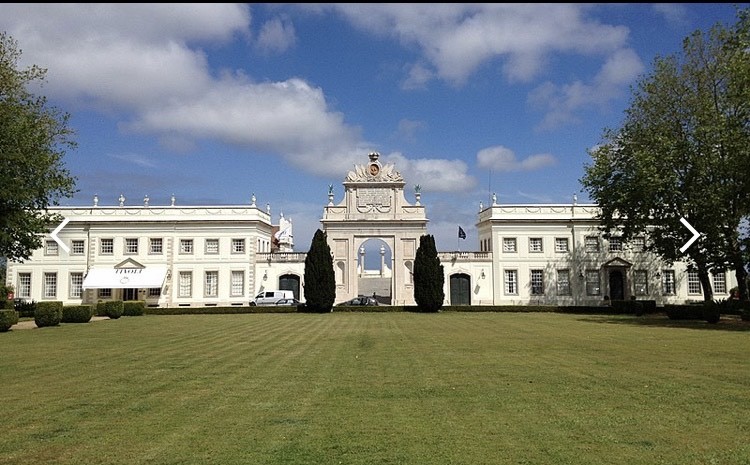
726,323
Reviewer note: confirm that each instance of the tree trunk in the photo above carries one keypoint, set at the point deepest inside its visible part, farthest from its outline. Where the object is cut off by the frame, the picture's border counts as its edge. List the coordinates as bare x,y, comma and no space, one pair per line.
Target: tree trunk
708,292
741,275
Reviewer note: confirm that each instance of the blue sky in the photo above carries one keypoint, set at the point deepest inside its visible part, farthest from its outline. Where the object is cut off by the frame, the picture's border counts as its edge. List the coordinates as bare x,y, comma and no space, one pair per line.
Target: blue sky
215,102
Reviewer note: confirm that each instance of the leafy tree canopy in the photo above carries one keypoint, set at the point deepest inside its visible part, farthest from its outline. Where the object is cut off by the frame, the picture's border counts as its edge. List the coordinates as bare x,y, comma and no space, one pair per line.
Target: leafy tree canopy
33,140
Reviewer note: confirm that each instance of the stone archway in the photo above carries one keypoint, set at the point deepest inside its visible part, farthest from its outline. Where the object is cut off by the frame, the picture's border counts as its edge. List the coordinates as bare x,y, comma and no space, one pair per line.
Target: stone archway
374,206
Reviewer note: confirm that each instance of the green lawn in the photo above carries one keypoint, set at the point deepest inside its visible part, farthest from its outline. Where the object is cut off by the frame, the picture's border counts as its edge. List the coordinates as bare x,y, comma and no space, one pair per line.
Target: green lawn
376,388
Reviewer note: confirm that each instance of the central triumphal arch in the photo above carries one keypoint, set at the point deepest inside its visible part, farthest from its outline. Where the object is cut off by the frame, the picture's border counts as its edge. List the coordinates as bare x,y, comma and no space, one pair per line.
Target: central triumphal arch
374,206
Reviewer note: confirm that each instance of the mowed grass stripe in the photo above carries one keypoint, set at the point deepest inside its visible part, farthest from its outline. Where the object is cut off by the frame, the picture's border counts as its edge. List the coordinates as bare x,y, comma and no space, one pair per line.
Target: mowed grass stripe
374,388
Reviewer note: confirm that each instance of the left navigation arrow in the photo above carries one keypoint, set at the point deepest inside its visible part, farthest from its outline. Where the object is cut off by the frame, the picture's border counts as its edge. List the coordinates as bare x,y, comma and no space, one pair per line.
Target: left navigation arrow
57,230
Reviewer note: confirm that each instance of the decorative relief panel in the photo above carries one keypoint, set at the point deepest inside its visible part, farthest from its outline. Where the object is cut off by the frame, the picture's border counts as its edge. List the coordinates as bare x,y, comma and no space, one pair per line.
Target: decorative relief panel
373,199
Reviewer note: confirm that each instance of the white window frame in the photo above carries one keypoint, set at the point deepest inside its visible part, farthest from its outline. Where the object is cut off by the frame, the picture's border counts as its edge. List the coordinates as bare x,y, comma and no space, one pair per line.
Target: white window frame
615,244
211,283
536,282
156,246
668,284
77,247
638,244
23,290
720,282
562,245
237,286
591,244
185,284
563,282
106,246
694,283
238,246
50,286
593,283
51,248
186,246
131,246
104,293
640,282
510,282
75,290
209,246
533,242
510,245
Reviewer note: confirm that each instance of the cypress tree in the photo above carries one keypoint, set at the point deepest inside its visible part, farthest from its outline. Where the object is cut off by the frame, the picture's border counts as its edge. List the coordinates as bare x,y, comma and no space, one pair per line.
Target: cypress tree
320,280
428,276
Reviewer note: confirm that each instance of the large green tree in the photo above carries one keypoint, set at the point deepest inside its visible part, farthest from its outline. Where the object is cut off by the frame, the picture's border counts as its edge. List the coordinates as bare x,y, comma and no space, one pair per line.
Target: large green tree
320,280
33,140
428,276
683,151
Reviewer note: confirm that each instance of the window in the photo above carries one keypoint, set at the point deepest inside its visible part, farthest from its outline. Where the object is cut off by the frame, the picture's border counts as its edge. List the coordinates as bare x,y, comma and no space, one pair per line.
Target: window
156,246
511,282
131,246
154,292
591,244
638,244
667,282
720,283
211,288
535,244
51,248
537,282
615,244
24,285
640,282
212,246
694,282
186,284
76,247
105,293
50,285
186,246
76,285
563,282
593,285
509,244
238,283
238,245
107,246
561,244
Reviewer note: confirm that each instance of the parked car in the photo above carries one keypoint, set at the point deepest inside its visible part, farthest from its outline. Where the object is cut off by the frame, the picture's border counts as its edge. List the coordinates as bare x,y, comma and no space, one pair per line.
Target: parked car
361,300
291,302
272,297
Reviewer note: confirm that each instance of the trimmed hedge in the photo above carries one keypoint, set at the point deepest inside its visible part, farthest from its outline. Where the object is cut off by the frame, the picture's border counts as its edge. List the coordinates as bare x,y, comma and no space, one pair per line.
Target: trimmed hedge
133,308
8,317
6,304
111,308
219,310
48,314
77,313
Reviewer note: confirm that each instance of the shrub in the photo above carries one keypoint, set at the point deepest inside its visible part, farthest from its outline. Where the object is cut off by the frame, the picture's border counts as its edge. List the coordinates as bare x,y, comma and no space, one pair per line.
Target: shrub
133,308
712,312
6,303
25,308
8,317
48,314
684,312
112,308
77,314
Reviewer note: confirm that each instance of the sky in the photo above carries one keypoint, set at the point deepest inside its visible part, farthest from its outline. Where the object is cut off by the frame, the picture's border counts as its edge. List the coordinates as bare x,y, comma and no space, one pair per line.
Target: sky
216,102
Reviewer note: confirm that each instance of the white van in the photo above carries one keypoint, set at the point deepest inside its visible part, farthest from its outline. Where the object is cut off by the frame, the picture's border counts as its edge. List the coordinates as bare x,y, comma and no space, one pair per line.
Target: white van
272,297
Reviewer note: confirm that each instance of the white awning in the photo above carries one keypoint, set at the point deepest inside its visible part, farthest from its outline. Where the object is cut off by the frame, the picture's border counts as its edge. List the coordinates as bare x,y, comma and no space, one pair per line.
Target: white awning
121,278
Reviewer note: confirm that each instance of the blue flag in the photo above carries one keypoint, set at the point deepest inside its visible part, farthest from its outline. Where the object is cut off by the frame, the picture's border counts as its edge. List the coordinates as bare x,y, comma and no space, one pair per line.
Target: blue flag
461,233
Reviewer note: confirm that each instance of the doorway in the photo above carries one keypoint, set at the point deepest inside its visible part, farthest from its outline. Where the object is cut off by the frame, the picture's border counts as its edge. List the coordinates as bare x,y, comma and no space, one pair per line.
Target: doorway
460,285
616,288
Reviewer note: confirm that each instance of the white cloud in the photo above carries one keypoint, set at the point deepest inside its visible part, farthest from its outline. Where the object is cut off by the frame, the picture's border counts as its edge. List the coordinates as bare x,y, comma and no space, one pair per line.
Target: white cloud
135,159
503,159
276,36
434,175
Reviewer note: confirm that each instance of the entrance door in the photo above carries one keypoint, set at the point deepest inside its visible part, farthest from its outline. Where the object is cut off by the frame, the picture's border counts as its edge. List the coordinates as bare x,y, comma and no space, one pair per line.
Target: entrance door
289,282
130,294
460,289
616,291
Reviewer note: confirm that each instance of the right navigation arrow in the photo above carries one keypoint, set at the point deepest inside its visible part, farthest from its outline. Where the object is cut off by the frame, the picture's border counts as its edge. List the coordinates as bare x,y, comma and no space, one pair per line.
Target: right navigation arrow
696,235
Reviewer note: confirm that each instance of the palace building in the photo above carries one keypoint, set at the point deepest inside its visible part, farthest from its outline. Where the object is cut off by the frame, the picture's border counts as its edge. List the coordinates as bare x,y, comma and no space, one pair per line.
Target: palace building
224,255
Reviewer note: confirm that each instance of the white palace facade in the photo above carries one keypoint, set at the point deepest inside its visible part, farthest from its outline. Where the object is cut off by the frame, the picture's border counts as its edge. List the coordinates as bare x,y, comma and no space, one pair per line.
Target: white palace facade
172,256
